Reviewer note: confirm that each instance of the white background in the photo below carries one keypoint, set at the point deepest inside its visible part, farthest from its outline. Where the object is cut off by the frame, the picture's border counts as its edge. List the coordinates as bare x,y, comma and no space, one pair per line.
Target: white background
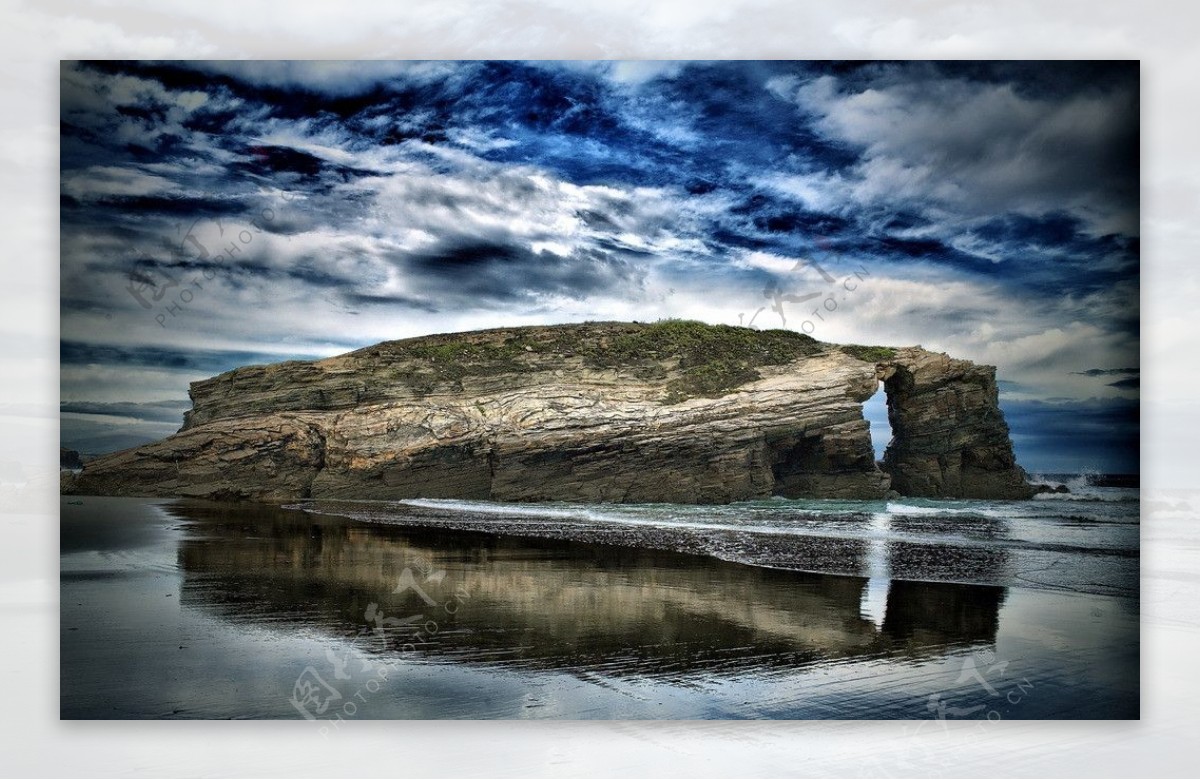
34,36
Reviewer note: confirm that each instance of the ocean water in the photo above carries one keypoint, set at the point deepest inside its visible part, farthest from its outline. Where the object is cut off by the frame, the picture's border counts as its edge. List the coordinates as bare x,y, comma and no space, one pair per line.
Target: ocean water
344,611
1084,541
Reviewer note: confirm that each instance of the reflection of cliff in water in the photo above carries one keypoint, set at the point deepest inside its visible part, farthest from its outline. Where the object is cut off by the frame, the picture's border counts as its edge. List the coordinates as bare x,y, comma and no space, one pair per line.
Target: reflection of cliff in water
554,604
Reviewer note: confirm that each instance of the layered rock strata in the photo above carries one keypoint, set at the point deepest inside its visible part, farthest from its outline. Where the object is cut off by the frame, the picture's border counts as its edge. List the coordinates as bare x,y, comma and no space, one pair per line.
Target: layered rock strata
677,412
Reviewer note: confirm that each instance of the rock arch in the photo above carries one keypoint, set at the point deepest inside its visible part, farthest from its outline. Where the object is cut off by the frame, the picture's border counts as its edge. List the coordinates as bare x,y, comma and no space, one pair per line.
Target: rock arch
949,437
573,413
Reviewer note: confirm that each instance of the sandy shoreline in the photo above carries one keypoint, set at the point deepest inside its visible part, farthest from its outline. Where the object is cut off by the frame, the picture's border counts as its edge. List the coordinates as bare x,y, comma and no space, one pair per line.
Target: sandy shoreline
177,609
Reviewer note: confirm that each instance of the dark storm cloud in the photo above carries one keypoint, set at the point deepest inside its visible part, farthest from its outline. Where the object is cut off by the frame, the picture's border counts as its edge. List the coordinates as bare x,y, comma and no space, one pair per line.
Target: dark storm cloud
996,134
463,271
210,361
721,128
179,208
434,189
400,301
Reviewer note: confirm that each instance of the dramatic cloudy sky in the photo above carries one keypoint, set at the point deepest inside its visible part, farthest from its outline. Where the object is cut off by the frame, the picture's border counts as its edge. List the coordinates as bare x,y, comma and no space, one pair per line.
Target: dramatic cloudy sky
218,214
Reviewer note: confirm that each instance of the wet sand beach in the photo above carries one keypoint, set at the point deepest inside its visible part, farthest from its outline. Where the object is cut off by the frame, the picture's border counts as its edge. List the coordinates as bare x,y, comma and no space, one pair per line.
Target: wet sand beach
175,609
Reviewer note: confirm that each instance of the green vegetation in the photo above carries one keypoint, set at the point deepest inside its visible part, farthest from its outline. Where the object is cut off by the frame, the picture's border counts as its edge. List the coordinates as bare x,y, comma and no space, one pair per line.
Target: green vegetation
459,353
451,361
707,360
712,359
710,380
697,343
869,354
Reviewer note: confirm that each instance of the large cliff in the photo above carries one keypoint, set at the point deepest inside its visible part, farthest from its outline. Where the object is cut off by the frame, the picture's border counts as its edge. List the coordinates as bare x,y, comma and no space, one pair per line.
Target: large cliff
668,412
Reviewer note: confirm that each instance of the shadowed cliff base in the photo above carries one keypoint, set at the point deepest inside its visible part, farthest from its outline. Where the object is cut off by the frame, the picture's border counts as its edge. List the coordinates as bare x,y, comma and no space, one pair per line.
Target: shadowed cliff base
670,412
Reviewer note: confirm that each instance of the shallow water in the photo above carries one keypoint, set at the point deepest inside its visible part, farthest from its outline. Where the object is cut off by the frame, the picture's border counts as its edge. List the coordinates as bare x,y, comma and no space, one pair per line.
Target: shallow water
434,609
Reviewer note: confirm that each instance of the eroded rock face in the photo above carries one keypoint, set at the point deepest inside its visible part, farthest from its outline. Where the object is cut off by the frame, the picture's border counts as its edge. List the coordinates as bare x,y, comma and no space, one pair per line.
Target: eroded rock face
949,438
620,412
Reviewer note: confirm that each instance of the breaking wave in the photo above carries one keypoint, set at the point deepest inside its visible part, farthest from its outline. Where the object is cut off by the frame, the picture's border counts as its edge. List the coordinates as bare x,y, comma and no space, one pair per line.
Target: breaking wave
1088,546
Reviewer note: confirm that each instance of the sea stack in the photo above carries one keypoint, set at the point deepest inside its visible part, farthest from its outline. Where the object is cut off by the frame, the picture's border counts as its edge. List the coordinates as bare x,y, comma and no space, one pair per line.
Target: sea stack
674,411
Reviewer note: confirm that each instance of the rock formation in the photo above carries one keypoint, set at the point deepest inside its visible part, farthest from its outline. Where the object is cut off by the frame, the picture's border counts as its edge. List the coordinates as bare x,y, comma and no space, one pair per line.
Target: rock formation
949,438
669,412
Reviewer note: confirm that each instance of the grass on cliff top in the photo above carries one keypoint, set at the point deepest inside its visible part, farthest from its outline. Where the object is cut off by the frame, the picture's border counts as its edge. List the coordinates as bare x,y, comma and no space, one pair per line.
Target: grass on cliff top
712,359
452,361
869,354
697,343
466,352
708,360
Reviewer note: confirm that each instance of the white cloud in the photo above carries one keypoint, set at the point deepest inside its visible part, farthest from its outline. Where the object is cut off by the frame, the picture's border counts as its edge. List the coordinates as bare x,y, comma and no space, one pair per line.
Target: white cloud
982,148
338,274
99,181
337,78
818,191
